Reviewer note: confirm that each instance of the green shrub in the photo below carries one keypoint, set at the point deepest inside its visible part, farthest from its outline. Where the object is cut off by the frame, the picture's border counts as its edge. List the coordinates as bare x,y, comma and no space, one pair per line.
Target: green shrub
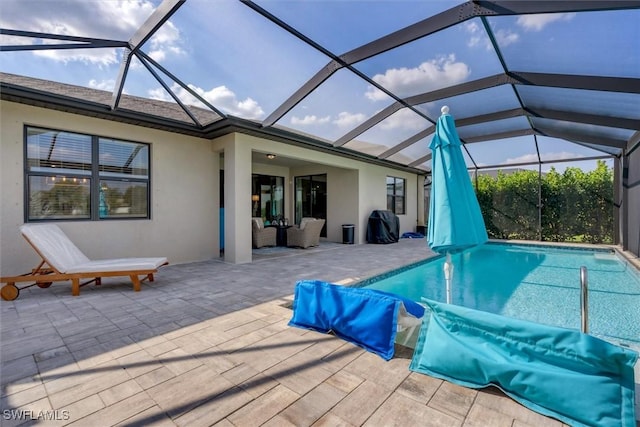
575,205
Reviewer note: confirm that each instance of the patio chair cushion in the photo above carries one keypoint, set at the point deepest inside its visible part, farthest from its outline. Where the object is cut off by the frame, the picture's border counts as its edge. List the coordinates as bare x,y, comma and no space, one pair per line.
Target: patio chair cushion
259,224
54,246
61,254
309,236
574,377
365,317
304,221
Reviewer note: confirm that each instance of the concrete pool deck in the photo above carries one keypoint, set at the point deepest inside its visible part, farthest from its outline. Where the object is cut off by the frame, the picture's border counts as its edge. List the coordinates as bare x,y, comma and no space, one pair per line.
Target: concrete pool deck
207,343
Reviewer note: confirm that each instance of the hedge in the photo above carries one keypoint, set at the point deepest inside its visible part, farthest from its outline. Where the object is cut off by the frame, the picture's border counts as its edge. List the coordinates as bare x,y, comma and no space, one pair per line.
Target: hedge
576,206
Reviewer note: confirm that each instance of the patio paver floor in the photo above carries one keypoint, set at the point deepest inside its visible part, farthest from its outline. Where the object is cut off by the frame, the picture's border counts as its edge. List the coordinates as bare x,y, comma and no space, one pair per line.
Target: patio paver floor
207,344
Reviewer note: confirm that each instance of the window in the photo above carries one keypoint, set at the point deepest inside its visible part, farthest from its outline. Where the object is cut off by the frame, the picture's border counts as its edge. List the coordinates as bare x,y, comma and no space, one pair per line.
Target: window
76,176
395,195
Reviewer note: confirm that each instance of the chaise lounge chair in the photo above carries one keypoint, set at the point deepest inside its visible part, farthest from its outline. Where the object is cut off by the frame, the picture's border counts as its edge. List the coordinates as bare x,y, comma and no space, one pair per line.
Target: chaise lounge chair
62,260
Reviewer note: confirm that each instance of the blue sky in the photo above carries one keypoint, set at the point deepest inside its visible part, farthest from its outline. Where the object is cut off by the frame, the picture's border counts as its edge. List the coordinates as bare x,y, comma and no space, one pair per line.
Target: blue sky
246,66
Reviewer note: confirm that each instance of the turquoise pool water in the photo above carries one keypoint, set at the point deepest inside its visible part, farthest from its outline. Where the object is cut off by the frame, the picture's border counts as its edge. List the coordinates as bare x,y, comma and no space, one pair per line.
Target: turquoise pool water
531,282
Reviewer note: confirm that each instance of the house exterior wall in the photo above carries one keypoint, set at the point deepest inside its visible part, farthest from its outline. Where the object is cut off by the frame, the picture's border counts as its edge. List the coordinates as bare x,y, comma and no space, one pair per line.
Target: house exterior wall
184,194
185,200
373,196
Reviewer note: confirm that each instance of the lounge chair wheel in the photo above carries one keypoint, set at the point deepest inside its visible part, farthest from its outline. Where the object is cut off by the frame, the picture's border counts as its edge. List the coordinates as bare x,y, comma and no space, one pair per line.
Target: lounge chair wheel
43,285
9,292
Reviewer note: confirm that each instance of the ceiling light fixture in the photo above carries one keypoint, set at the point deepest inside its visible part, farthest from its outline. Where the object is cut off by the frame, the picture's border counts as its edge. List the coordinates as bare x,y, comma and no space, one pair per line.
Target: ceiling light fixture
271,156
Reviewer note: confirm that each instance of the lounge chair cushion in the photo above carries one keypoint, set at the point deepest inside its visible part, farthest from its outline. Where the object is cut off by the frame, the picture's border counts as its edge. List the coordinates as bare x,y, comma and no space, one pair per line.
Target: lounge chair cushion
118,264
60,252
574,377
365,317
54,246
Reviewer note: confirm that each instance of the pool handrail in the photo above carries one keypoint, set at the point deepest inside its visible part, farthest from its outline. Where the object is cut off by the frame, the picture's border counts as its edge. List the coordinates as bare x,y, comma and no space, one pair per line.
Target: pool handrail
584,300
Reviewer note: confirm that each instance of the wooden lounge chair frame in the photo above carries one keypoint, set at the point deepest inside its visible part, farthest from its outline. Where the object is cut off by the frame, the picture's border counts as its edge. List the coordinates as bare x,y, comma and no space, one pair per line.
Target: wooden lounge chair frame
45,274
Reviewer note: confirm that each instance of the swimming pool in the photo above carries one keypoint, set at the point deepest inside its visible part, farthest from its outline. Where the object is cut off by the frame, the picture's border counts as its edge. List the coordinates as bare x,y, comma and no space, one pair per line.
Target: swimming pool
540,283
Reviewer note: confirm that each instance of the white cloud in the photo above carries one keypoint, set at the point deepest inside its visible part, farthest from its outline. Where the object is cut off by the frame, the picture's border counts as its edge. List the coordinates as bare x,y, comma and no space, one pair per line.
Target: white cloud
166,35
561,155
539,21
107,85
220,97
118,20
404,119
166,41
429,75
472,27
310,120
505,38
526,158
532,157
12,40
348,120
100,57
158,55
160,94
479,37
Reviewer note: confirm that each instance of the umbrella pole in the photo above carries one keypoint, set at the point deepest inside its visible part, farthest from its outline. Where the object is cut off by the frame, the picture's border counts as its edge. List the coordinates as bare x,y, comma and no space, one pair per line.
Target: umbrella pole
448,274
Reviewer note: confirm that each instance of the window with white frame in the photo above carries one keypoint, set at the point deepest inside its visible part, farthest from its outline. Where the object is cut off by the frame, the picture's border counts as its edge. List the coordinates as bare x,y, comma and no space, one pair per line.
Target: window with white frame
70,175
396,195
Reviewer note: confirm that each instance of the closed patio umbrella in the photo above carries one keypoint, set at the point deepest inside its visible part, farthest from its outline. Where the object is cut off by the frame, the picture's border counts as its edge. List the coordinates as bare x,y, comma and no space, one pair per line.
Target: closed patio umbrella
455,220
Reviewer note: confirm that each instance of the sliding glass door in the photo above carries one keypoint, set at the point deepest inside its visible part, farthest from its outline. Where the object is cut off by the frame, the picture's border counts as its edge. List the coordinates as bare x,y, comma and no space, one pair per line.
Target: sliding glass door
267,197
311,198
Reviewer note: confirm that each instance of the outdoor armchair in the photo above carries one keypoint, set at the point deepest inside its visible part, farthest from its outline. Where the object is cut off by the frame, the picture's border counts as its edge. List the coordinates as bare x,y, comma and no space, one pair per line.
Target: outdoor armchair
306,234
61,260
261,235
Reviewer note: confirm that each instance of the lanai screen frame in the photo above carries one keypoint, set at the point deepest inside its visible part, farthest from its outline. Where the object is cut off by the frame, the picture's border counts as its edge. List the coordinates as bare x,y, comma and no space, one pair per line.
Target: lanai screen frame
609,144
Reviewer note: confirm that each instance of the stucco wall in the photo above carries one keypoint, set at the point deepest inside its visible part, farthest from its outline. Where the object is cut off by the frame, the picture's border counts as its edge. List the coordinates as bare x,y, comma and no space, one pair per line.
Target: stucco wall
373,196
184,224
184,194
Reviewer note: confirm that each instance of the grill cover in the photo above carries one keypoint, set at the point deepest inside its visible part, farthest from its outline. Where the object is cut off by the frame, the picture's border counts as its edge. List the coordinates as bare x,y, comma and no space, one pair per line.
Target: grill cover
383,227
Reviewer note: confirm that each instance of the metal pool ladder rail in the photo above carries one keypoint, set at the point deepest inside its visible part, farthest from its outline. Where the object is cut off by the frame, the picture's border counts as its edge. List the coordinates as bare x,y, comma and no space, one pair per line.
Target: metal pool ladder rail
584,299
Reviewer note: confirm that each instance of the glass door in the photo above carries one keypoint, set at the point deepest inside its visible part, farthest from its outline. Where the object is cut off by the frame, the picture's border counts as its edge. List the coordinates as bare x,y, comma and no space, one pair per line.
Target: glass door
267,197
311,198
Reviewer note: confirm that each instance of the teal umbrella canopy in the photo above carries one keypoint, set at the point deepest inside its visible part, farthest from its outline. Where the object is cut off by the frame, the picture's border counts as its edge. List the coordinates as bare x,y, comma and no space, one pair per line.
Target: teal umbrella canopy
455,220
